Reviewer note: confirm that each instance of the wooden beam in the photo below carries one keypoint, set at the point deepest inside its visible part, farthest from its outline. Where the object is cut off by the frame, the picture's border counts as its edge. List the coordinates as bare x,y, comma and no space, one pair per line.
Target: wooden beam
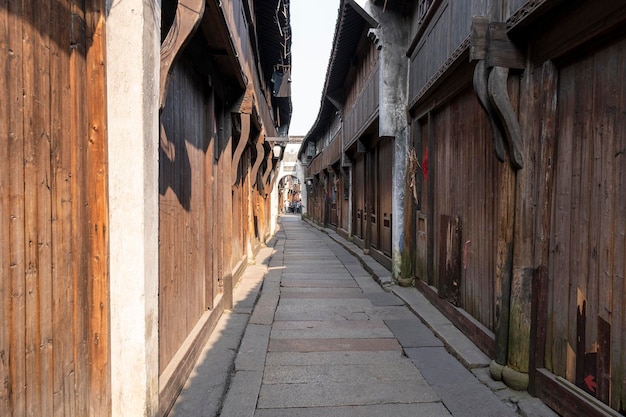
479,38
490,42
501,51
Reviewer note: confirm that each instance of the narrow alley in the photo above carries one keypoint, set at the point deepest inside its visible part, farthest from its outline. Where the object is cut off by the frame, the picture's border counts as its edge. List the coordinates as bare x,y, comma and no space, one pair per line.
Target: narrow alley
320,337
443,235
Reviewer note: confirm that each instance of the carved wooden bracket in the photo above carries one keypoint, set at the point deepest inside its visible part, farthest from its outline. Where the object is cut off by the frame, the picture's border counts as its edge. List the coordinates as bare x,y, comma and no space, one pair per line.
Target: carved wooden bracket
499,96
274,177
268,169
241,146
244,108
186,21
496,54
260,154
481,80
489,41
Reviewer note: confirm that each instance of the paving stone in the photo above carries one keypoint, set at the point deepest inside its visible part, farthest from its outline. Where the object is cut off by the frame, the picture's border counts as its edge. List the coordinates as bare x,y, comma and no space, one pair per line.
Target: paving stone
245,300
460,391
395,410
332,345
534,407
317,273
463,348
413,333
365,329
317,294
379,373
368,285
203,391
346,311
321,283
341,291
251,356
332,358
242,394
324,339
325,303
265,308
421,306
273,275
384,299
342,393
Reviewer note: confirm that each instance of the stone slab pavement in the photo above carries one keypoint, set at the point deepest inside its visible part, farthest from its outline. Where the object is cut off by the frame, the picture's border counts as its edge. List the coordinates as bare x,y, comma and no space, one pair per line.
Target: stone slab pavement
326,339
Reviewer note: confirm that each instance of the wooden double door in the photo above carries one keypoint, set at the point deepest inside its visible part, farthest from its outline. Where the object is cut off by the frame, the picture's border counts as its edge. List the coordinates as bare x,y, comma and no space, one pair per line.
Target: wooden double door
373,196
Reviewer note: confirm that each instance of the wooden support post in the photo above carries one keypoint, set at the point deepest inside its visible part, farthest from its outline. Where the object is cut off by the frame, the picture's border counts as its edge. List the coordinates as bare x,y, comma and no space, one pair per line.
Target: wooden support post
545,178
504,261
431,164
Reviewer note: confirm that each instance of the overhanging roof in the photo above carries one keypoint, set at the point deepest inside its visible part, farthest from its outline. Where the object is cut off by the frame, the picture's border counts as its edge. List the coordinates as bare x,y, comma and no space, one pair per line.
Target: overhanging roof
352,25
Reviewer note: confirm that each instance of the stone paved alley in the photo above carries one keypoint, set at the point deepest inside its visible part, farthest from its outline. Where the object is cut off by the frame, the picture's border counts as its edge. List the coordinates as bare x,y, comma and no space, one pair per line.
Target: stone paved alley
318,331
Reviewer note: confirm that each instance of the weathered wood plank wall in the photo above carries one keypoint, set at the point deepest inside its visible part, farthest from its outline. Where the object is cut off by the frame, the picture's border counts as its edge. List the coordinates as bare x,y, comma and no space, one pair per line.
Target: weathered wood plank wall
384,186
358,187
464,152
446,31
587,244
361,111
186,182
54,353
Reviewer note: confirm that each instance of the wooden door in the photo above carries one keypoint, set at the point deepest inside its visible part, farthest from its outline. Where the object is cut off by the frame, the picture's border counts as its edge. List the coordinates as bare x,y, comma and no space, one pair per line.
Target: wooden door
359,197
185,225
421,184
372,192
385,186
586,332
332,196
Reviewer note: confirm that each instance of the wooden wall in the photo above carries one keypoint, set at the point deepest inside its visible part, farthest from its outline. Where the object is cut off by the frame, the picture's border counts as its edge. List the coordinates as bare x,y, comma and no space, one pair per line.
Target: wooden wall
343,193
466,179
586,296
361,112
359,214
186,208
446,30
54,344
382,188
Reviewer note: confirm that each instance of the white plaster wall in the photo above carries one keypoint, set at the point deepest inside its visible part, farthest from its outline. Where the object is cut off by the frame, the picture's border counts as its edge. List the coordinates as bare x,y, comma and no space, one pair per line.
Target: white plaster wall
133,60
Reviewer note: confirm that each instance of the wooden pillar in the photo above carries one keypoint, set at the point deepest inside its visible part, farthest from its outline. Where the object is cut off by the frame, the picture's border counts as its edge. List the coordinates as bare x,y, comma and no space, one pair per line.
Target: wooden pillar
545,177
521,285
430,183
504,261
